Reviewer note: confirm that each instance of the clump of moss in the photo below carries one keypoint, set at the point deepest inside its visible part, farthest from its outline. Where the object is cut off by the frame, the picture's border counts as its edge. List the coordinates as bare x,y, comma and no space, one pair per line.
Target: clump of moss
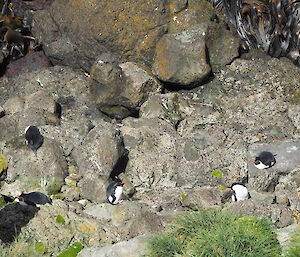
53,188
294,247
72,251
3,164
216,233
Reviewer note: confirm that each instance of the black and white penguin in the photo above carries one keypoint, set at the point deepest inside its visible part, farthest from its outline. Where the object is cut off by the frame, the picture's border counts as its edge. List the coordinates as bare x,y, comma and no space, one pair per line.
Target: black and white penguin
264,160
34,138
240,192
114,191
33,198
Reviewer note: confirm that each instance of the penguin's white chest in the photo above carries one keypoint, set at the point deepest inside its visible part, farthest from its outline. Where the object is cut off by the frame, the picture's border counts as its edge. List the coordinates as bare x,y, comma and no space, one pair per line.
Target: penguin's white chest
241,193
118,194
261,166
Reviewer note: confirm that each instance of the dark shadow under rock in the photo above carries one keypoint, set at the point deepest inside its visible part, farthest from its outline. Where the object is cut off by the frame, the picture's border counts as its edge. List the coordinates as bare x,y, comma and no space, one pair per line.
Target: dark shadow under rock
12,218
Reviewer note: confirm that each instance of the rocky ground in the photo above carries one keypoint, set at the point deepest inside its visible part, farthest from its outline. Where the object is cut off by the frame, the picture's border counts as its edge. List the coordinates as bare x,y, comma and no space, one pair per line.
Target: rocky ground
164,80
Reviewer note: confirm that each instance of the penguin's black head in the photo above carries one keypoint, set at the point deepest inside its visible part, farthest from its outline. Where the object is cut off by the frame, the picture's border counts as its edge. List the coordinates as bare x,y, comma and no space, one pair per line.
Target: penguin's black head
257,161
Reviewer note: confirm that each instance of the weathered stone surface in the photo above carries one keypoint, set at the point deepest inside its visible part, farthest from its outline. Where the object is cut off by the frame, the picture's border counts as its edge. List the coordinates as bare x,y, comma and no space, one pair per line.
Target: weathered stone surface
129,29
30,62
95,159
181,58
294,115
286,190
284,235
14,105
47,170
81,228
287,159
279,215
132,248
181,198
186,14
131,218
42,91
222,45
123,85
152,152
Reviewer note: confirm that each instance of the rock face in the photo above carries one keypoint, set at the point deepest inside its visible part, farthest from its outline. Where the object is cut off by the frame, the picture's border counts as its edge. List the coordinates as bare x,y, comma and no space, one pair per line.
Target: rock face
48,166
287,159
181,58
131,218
95,159
120,89
131,248
129,29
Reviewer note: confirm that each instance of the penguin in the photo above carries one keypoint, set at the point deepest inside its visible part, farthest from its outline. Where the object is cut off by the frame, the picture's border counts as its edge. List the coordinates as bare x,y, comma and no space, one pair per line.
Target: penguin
114,191
264,160
33,198
34,138
240,192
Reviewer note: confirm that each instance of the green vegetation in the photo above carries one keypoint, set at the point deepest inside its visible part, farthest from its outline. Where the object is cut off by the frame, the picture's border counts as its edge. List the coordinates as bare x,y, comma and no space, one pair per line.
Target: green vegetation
3,163
40,247
72,251
216,233
294,247
60,219
19,248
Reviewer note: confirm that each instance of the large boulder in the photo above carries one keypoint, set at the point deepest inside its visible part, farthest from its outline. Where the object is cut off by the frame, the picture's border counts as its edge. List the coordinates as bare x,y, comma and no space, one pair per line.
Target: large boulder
181,58
128,28
287,160
120,89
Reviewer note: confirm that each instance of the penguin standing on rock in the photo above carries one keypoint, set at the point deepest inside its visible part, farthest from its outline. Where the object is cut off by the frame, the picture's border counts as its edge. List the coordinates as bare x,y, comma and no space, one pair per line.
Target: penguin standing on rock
34,138
114,191
264,160
240,192
33,198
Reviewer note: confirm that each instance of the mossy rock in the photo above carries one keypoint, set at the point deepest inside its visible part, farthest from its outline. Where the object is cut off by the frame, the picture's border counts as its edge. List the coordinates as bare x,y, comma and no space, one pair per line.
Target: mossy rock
53,187
3,164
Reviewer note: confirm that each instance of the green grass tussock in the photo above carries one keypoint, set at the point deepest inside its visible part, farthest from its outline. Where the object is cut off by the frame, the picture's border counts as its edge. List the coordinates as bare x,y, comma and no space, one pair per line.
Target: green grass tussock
216,233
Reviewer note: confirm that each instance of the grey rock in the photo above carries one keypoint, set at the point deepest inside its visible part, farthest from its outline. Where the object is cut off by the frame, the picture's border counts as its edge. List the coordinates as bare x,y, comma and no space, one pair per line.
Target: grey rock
14,105
181,198
181,58
95,159
287,159
280,216
42,91
222,45
152,152
284,236
47,170
117,88
287,189
294,115
57,236
134,247
131,218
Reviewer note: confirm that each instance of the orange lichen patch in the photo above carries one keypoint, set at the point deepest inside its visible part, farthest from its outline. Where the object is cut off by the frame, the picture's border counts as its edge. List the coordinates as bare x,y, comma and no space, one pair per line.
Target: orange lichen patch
197,12
88,228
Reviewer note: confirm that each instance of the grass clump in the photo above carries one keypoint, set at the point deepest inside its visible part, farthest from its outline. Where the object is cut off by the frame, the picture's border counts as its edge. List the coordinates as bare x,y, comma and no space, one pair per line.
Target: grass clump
216,233
294,247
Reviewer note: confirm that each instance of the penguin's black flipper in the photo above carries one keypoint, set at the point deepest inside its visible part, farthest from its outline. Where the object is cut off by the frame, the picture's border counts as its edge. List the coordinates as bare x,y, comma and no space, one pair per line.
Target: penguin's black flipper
7,199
